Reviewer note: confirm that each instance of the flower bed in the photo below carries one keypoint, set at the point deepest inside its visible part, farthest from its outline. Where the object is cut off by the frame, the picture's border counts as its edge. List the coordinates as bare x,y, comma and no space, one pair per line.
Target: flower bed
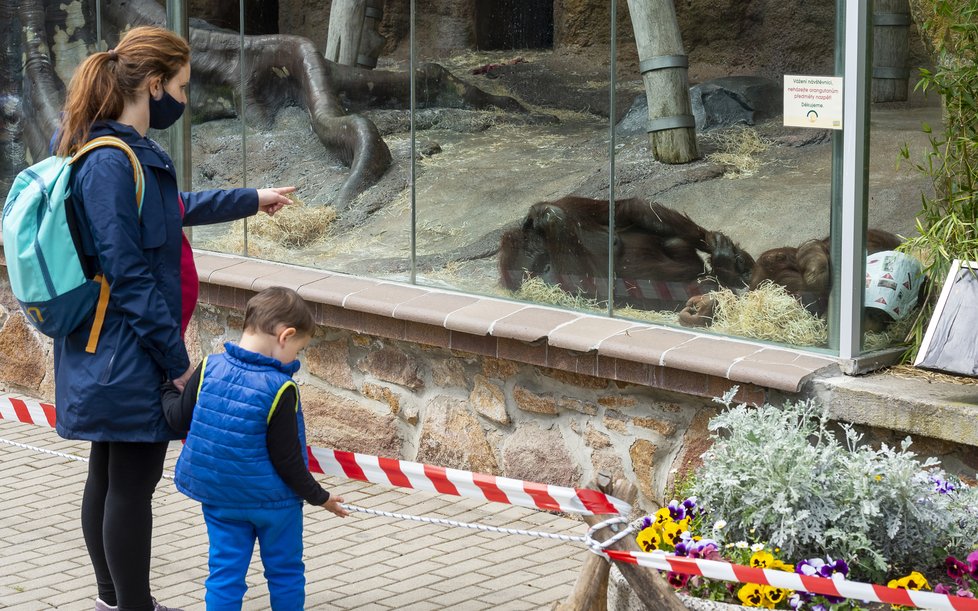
778,490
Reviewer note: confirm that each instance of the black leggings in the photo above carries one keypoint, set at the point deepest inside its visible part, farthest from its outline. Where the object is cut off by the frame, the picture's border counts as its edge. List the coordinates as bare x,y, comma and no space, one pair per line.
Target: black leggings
117,519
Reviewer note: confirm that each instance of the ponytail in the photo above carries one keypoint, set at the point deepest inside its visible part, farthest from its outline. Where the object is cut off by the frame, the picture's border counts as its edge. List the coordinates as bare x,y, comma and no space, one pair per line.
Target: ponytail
93,94
105,81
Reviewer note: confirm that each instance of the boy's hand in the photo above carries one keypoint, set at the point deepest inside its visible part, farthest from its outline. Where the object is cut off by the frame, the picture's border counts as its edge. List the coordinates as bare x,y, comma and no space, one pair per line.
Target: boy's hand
181,382
333,505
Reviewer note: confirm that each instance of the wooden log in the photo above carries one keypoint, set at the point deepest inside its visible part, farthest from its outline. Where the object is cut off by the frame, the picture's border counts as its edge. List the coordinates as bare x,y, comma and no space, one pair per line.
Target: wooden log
649,585
590,591
672,131
891,50
352,39
345,27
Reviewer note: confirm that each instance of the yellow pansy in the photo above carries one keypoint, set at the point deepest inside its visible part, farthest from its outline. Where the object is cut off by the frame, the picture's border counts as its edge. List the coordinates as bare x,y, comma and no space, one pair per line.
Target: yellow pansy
762,560
774,595
648,539
914,581
662,516
752,595
672,533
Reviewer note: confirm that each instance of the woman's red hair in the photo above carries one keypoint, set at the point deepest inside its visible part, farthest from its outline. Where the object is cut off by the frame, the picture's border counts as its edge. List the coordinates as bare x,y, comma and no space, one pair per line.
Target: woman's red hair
104,82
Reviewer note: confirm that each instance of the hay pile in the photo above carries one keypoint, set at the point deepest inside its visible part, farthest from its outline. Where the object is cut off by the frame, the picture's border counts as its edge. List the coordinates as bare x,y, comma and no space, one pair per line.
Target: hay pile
535,290
296,226
768,313
737,150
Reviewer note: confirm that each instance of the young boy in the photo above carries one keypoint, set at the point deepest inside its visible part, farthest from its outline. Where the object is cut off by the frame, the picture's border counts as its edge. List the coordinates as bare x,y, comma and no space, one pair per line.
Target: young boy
245,457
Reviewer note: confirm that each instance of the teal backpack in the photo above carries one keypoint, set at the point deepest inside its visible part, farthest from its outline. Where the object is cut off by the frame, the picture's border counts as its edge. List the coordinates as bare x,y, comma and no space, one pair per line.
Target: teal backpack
43,262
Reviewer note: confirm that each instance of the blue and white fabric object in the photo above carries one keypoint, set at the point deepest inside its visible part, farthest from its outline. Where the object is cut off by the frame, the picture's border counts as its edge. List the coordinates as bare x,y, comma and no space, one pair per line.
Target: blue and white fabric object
893,281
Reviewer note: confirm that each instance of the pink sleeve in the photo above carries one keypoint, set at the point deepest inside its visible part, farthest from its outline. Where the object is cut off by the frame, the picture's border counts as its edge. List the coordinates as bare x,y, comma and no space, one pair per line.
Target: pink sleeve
189,287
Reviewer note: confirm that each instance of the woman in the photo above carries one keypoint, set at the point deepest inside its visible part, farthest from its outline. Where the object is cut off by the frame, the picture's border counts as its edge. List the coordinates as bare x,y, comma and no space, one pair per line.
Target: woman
111,395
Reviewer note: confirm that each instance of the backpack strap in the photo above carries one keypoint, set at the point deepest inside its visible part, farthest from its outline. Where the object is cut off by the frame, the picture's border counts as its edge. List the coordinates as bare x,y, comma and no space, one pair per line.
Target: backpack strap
139,179
137,168
100,308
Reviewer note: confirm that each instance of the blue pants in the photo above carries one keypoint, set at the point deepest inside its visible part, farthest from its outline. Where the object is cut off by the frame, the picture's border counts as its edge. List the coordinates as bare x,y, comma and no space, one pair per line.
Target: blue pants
232,533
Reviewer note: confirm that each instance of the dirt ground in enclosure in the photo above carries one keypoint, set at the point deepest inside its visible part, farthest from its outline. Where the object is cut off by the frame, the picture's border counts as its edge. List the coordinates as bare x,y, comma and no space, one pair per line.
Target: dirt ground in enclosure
479,171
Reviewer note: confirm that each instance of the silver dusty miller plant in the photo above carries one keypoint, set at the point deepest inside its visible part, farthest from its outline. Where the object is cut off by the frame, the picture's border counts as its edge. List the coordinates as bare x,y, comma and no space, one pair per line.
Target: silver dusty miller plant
778,475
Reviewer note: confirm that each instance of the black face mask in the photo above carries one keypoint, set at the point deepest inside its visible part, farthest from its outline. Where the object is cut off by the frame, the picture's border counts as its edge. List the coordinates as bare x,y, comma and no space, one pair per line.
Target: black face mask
165,111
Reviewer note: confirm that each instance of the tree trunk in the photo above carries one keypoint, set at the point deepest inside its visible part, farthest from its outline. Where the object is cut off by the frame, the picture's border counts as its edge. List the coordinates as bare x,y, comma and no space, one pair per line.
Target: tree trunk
352,39
345,28
672,133
891,48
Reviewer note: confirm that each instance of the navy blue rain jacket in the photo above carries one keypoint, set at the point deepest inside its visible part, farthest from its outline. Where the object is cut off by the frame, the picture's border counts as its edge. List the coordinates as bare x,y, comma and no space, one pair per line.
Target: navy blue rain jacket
114,394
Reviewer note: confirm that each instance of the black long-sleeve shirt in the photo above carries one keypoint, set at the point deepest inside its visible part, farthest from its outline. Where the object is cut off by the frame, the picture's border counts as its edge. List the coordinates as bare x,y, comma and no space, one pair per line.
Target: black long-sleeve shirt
282,438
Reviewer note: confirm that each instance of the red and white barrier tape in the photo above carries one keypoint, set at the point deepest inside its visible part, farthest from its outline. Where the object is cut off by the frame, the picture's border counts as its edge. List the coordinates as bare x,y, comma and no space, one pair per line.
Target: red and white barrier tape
27,411
394,472
714,569
516,492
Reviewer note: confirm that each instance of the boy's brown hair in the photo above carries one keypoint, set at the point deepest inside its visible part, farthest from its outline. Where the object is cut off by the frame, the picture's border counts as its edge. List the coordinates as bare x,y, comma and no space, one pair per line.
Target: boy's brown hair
277,306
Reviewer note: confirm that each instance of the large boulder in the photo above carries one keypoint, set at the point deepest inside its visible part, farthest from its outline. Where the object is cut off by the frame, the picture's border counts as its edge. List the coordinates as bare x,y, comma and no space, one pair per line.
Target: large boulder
720,102
735,100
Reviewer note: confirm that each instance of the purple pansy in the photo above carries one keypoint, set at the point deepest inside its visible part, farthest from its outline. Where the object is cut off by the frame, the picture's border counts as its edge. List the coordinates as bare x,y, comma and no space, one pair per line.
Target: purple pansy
942,486
677,511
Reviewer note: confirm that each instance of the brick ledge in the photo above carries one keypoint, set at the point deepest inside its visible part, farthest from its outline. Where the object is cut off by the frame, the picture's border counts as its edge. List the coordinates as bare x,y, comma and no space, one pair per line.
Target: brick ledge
661,357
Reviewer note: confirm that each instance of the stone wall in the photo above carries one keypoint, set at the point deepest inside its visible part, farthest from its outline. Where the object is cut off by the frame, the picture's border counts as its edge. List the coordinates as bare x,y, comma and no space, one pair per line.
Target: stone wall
384,397
376,396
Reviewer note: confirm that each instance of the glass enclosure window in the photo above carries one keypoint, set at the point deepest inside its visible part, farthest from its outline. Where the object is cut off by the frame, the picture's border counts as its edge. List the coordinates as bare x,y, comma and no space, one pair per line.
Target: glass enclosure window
512,170
900,111
34,73
219,122
742,246
527,118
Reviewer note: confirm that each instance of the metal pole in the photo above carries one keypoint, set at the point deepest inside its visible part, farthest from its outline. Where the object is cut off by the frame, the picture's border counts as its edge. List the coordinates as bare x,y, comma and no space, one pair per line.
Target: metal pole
99,46
611,160
414,206
855,167
244,126
178,20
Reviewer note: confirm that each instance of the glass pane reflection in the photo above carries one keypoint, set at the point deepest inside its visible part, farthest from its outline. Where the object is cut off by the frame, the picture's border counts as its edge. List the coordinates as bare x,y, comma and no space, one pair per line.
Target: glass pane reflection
761,194
492,171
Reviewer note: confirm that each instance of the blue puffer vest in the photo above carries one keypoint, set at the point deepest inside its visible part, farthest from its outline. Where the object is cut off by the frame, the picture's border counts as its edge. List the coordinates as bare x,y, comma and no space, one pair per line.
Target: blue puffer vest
225,461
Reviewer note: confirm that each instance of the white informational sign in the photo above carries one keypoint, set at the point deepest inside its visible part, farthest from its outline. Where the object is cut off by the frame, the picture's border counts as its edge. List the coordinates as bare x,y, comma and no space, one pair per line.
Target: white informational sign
813,101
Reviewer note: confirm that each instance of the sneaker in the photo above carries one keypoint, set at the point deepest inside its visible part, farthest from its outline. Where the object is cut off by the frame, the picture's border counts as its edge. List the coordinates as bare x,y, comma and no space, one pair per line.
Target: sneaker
101,605
158,607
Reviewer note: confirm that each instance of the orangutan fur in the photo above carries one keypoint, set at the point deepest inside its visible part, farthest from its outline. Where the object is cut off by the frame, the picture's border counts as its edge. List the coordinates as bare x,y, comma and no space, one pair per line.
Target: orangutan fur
661,256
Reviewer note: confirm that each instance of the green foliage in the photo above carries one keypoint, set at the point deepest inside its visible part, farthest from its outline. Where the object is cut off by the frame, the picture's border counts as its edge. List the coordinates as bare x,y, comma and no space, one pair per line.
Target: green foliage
948,221
779,475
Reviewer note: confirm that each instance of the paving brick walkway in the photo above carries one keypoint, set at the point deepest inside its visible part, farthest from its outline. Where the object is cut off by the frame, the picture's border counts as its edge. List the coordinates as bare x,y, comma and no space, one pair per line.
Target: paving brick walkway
361,562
